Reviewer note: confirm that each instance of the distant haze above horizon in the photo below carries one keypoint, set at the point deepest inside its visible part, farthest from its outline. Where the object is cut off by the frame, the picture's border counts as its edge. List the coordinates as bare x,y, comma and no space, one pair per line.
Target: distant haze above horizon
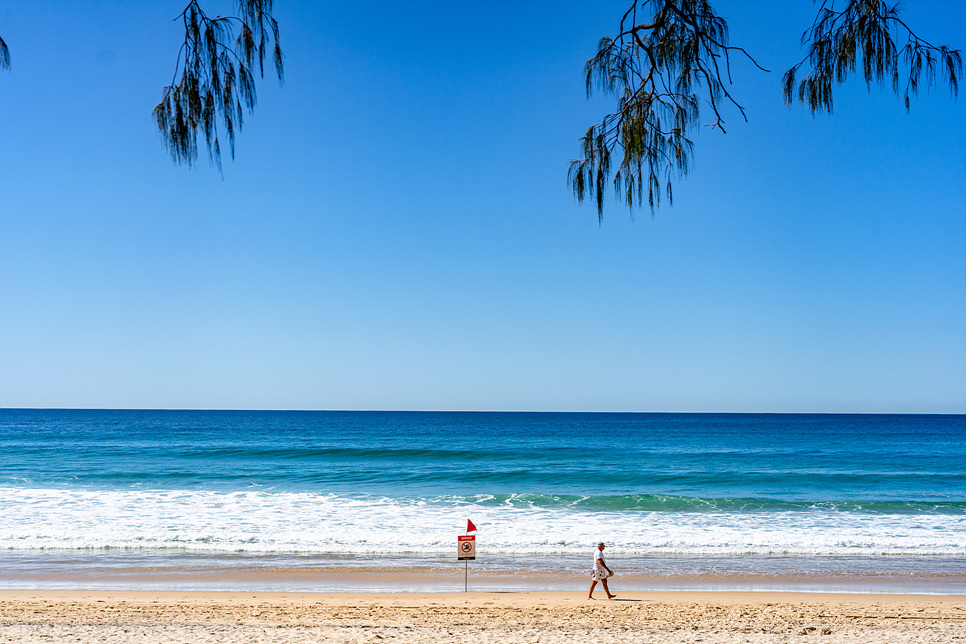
397,232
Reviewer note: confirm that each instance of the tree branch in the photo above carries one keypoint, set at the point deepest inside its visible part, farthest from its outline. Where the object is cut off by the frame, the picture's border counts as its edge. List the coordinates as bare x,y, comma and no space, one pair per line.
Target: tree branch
213,79
865,32
661,70
4,55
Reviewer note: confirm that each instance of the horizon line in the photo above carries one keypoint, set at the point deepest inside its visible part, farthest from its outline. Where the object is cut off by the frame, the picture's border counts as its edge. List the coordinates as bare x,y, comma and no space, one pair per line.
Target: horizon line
489,411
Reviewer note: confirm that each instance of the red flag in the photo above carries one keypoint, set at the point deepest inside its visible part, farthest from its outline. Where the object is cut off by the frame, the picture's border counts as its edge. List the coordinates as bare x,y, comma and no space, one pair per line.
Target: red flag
469,526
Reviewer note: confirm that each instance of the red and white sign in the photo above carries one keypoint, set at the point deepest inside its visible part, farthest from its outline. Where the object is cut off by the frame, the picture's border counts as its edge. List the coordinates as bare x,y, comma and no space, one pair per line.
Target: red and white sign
467,547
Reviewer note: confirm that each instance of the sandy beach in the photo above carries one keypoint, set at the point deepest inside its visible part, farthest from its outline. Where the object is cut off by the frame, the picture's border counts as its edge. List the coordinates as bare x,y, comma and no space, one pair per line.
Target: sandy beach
515,617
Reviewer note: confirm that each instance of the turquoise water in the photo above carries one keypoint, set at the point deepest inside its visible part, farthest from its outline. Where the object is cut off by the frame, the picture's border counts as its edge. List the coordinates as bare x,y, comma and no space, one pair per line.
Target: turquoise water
677,495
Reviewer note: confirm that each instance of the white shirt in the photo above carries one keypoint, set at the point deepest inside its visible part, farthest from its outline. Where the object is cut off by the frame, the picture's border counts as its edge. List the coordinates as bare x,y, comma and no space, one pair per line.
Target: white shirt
598,559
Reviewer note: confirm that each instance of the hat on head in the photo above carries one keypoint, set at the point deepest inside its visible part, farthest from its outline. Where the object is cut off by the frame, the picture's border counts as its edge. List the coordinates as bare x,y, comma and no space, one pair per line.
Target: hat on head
601,543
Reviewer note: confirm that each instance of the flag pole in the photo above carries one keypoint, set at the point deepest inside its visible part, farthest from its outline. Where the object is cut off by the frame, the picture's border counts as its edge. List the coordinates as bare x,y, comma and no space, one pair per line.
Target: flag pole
466,562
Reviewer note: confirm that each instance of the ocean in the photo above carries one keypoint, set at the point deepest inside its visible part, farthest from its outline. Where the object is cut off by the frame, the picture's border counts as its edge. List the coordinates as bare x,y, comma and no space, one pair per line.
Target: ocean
319,500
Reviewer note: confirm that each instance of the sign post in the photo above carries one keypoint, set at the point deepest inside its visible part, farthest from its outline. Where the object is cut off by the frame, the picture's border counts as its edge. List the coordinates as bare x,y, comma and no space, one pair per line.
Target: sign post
466,551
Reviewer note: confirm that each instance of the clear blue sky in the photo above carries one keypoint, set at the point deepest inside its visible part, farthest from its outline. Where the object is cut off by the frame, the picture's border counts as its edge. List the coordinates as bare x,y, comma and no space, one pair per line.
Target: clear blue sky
397,231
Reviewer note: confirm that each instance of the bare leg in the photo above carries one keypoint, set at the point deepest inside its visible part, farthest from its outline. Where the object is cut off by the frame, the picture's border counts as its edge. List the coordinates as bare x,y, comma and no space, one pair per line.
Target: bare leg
606,589
592,584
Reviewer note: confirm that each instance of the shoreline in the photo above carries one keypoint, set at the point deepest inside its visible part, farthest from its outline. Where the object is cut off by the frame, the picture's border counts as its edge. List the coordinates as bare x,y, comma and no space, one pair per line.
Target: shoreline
155,576
522,598
152,570
668,617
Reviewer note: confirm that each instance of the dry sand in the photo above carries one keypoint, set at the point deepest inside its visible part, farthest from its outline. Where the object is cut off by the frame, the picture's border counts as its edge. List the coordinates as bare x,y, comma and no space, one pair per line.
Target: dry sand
640,617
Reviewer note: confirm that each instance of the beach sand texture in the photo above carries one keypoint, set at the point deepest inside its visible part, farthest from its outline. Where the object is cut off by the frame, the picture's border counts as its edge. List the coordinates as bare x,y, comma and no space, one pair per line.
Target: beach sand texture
548,617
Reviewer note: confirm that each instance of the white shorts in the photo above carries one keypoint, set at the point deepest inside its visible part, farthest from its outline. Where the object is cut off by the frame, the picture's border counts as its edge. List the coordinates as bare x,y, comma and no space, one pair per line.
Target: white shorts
598,573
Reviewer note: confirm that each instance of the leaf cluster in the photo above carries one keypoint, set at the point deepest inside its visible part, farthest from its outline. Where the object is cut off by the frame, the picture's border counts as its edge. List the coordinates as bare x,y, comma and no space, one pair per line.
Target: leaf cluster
661,71
865,34
4,55
214,78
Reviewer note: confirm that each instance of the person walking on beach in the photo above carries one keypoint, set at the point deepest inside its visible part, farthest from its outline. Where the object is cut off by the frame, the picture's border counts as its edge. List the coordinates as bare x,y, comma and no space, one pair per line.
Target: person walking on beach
600,573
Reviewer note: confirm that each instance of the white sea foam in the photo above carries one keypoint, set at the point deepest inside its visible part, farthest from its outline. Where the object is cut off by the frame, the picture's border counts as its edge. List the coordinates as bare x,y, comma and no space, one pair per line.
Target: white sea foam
261,522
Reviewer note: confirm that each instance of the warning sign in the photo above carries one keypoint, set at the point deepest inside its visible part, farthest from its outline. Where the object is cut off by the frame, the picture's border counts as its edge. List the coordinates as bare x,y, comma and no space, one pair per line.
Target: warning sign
467,547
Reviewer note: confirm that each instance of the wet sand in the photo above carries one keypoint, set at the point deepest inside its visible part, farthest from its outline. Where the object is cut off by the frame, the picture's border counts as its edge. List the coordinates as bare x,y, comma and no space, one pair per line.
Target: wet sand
514,617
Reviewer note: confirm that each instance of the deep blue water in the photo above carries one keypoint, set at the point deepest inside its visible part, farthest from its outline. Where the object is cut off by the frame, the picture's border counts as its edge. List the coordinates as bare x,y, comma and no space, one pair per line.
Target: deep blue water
806,458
